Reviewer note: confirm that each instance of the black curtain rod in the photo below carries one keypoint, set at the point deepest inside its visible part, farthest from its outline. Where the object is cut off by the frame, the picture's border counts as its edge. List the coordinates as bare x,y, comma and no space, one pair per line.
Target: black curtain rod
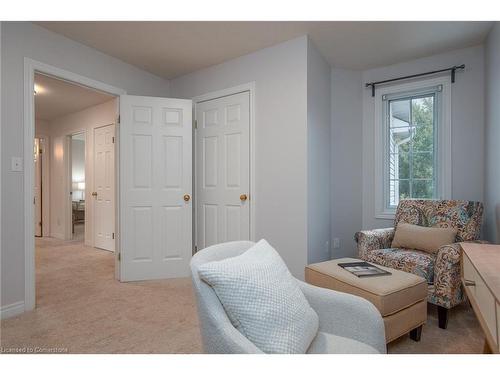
453,69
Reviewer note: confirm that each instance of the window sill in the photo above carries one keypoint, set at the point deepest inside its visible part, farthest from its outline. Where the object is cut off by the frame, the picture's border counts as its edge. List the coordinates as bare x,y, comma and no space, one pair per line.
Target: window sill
387,215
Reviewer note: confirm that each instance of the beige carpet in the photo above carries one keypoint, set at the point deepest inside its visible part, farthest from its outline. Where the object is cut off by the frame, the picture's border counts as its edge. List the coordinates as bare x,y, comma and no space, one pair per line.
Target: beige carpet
81,308
79,233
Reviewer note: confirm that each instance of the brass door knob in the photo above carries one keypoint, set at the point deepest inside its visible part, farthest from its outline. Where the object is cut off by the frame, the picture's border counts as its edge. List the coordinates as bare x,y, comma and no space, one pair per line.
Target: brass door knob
243,197
94,193
187,197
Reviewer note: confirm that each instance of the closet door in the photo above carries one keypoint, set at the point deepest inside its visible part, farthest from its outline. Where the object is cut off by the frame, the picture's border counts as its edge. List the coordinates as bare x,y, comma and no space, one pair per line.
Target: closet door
223,170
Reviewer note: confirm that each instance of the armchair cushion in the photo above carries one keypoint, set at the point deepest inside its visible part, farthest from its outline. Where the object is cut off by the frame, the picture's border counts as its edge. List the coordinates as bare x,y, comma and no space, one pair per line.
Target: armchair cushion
263,300
417,262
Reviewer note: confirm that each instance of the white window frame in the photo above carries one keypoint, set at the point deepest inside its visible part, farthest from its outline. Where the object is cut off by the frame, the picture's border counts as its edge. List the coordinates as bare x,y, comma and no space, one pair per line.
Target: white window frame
443,146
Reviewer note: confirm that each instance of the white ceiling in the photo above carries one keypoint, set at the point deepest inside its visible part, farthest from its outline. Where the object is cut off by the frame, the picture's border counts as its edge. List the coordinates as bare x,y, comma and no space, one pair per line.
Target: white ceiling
55,98
171,49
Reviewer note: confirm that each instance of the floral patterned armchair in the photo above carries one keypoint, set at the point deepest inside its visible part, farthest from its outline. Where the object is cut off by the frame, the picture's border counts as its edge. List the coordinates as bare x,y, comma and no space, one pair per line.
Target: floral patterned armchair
441,270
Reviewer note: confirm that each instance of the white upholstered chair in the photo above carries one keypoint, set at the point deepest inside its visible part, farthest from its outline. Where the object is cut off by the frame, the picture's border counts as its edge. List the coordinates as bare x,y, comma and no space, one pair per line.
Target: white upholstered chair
347,323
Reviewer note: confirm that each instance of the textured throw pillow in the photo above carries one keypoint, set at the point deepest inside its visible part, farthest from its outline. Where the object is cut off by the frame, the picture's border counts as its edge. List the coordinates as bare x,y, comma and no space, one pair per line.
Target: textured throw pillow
263,300
422,238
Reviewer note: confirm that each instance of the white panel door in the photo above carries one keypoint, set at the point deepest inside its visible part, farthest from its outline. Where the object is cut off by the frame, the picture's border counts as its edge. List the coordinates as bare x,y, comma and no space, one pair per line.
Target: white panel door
104,187
223,170
155,187
37,200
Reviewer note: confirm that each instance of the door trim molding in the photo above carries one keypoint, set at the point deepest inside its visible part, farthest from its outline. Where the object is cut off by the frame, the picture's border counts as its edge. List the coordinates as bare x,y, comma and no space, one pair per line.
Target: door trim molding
68,187
45,184
30,67
250,87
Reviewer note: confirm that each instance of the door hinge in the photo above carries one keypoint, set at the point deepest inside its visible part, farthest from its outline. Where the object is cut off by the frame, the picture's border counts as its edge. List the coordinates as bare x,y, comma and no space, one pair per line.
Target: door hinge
119,256
118,119
195,249
40,151
196,124
113,236
113,139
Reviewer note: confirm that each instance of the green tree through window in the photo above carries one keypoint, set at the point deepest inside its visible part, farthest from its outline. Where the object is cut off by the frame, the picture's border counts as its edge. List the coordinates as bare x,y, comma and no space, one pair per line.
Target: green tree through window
412,148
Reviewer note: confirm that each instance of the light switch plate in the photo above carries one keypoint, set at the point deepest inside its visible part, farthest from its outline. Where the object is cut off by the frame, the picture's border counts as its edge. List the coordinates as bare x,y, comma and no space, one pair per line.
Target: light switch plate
16,164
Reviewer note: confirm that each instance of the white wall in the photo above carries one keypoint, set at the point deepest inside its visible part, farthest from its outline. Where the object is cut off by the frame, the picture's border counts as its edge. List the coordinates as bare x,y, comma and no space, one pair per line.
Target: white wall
20,40
318,156
467,117
492,173
41,127
83,121
280,76
347,163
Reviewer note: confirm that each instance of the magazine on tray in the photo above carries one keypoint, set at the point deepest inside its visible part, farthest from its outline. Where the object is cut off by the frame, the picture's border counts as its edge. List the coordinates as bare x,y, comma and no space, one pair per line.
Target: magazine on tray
363,269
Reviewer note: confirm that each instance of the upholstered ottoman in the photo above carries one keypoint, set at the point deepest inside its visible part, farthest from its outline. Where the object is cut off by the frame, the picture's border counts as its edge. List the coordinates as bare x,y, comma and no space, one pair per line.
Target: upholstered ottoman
400,297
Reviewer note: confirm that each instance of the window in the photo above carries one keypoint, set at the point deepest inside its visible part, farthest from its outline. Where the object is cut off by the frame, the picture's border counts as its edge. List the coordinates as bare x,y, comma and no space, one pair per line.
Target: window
411,153
412,144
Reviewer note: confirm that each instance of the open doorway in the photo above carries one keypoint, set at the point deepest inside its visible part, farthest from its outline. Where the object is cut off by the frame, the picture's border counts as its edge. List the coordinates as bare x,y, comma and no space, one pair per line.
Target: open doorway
68,117
74,178
77,144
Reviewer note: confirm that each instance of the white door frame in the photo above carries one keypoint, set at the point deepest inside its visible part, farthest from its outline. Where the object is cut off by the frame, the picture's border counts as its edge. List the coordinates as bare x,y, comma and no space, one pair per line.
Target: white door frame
68,182
250,87
45,184
30,68
40,187
68,225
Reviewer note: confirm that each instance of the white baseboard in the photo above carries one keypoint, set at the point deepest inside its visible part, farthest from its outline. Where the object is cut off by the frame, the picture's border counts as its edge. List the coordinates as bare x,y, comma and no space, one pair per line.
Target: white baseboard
11,310
59,236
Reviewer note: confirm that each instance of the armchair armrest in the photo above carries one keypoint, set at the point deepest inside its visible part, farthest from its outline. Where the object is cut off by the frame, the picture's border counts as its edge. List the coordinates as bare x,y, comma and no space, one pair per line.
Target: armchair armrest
374,239
447,286
346,315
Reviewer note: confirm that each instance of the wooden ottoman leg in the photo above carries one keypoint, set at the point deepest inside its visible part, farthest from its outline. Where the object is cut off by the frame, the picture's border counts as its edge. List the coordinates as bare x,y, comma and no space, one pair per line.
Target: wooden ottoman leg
416,333
443,317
